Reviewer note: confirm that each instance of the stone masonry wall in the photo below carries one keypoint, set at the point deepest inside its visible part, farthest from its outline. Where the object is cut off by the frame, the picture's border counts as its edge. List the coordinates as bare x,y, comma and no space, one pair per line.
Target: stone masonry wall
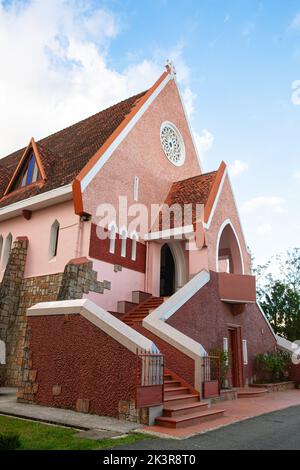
18,294
10,292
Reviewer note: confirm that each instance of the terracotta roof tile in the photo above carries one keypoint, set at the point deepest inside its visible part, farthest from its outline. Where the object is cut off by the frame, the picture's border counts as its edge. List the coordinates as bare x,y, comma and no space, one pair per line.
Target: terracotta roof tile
66,152
192,191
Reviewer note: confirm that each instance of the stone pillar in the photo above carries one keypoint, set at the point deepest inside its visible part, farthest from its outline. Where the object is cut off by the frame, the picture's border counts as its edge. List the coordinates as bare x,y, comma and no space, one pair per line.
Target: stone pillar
78,279
10,292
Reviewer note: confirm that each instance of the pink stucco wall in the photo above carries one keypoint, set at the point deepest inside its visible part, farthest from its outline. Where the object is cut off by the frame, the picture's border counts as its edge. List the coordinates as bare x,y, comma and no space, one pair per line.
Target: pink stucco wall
141,154
73,238
226,209
122,285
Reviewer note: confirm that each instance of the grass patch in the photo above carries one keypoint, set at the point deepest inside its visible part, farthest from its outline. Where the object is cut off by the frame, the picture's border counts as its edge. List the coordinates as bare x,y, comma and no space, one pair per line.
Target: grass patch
38,436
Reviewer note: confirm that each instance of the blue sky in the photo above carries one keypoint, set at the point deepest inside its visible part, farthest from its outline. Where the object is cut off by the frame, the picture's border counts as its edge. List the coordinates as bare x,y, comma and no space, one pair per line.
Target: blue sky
236,63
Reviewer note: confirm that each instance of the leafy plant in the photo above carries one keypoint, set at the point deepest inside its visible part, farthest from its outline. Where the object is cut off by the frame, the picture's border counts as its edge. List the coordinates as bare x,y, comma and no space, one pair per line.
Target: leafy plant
279,294
225,364
10,441
272,366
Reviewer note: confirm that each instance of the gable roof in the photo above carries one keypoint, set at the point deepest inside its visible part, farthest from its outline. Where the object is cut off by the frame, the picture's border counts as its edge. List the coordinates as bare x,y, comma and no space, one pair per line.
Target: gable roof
64,154
191,191
200,189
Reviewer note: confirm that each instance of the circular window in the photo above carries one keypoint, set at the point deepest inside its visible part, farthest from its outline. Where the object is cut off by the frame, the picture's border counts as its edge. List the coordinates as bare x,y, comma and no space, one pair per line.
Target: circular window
172,143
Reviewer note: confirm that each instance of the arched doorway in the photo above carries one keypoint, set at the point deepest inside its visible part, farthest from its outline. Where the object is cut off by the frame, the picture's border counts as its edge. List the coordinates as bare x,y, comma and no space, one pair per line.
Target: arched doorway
167,272
229,254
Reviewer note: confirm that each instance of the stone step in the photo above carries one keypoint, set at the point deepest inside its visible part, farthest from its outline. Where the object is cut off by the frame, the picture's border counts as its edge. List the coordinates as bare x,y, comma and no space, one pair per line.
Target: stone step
248,393
181,399
175,391
184,409
190,419
124,306
171,383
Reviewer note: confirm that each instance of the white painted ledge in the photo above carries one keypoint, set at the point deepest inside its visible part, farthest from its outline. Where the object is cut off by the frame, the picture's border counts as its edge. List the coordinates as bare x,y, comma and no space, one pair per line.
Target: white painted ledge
156,323
285,344
99,317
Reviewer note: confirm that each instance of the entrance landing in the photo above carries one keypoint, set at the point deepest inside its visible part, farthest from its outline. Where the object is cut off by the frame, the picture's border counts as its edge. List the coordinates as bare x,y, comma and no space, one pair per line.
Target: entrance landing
235,411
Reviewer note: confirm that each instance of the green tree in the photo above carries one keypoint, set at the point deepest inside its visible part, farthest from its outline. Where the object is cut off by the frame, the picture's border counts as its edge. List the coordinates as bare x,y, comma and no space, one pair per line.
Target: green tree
279,294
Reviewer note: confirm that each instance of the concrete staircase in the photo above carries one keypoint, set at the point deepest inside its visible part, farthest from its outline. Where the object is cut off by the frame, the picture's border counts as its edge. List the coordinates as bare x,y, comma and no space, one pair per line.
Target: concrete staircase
182,405
137,313
248,392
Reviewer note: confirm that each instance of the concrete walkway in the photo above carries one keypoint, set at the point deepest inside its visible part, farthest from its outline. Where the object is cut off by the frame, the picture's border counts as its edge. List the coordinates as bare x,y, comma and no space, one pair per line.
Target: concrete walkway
235,411
275,431
9,406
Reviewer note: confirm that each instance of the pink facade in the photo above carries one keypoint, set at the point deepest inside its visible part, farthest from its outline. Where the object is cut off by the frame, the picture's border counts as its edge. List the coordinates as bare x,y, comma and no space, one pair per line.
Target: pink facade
73,238
133,273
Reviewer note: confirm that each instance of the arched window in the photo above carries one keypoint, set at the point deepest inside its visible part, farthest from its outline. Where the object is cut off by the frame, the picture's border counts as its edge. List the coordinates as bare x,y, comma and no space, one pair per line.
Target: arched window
2,353
229,254
7,250
134,238
1,245
54,235
123,236
112,238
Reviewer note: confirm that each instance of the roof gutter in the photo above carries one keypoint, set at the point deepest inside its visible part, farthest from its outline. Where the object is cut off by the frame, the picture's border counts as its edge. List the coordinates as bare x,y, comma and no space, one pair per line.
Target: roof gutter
40,201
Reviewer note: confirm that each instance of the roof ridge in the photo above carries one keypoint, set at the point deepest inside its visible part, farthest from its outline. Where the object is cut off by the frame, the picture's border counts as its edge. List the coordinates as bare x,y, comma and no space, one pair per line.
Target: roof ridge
137,96
43,139
196,176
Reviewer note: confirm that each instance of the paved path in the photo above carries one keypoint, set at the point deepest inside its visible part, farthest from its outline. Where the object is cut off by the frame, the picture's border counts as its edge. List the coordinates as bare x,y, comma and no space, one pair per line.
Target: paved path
9,406
235,411
279,430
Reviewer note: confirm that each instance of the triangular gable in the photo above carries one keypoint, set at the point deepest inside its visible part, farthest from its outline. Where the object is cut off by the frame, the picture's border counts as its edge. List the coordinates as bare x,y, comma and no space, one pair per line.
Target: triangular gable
29,170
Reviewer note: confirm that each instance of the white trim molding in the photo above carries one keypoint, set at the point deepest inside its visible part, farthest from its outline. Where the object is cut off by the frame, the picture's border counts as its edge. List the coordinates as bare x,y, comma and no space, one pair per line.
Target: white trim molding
156,323
169,233
266,320
223,226
108,153
49,198
212,212
103,320
286,345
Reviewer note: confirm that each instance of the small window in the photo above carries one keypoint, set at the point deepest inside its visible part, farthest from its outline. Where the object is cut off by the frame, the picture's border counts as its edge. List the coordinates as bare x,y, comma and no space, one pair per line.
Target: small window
134,238
1,245
112,239
136,188
123,242
29,173
7,250
245,352
54,235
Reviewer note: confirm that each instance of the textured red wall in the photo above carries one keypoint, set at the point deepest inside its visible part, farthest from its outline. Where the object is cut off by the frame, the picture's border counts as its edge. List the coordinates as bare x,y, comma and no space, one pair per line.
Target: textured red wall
84,361
206,319
295,373
175,360
99,249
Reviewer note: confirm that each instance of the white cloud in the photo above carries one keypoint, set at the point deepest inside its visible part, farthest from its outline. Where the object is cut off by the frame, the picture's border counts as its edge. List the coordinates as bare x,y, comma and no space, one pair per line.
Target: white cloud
297,175
264,229
272,203
55,68
238,167
203,141
296,22
248,29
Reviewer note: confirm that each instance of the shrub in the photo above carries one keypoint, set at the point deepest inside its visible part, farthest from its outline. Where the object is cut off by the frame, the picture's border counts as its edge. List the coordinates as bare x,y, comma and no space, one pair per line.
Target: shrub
225,364
9,442
272,366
